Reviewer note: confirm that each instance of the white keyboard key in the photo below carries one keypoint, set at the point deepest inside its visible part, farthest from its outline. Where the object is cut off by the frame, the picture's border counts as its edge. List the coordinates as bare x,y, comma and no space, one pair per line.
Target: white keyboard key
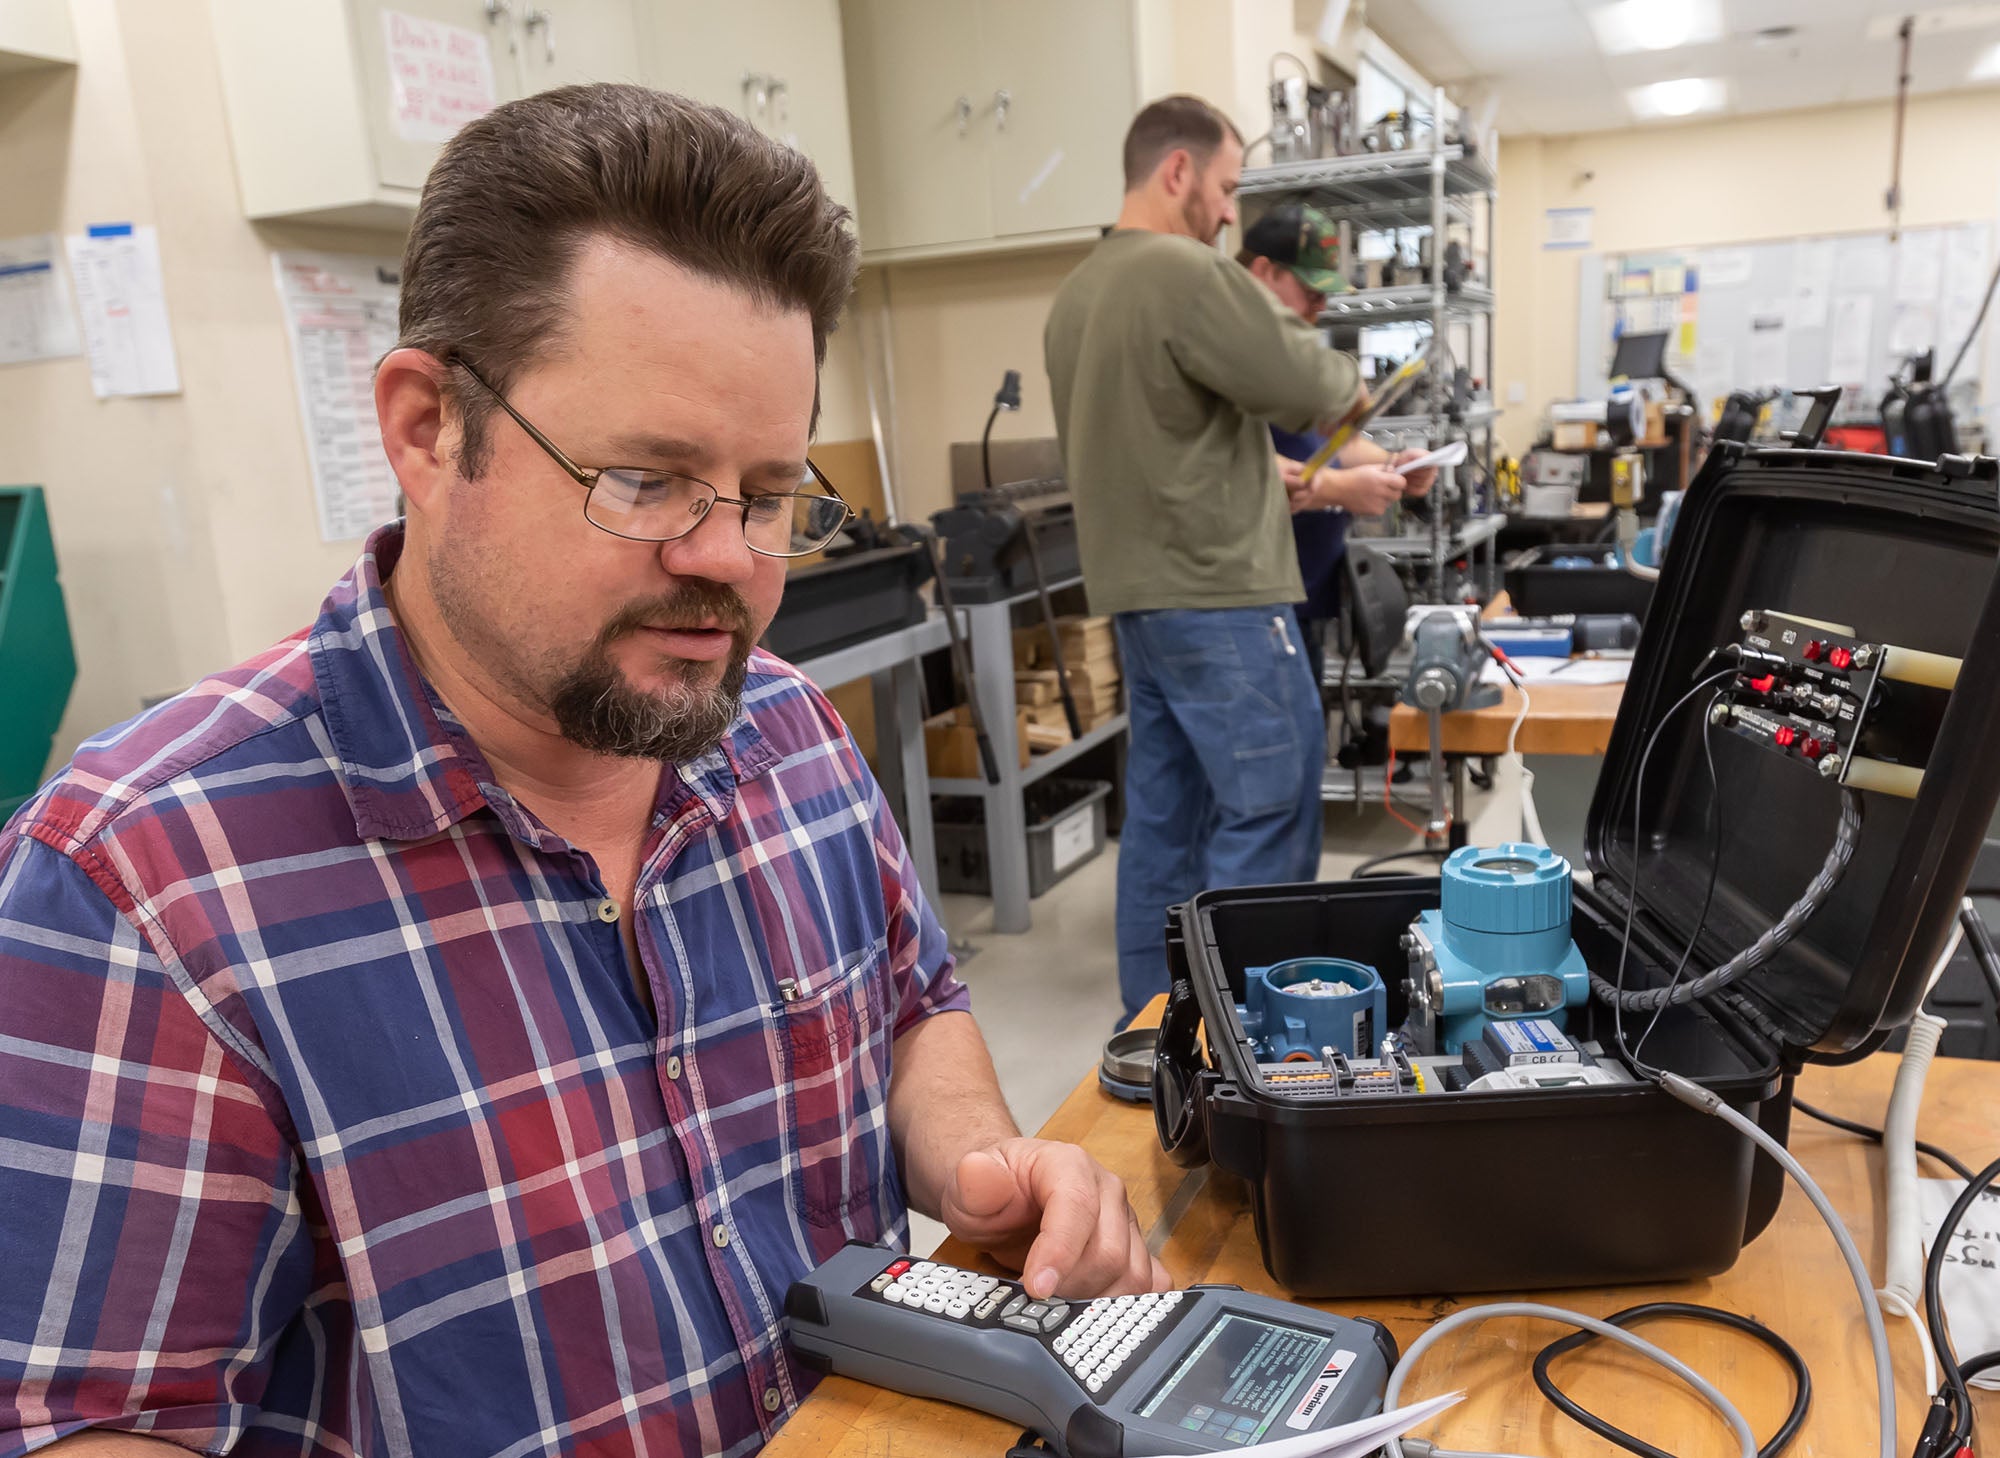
1095,1384
934,1302
894,1292
1121,1301
1170,1298
957,1310
924,1268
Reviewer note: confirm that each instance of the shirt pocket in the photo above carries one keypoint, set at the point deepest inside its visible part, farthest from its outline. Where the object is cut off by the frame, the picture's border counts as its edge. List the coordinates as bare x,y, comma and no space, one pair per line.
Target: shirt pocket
835,1041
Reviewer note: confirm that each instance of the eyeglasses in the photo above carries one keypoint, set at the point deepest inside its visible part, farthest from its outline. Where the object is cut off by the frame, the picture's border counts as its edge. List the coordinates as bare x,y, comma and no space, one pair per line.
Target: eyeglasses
660,506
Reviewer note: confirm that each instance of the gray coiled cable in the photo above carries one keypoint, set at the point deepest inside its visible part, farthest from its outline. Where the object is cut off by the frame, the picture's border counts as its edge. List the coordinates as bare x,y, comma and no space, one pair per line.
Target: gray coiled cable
1765,947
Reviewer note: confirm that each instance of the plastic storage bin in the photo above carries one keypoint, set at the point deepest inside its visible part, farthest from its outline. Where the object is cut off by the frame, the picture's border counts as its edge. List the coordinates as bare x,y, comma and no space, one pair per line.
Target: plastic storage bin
1539,588
1065,830
37,663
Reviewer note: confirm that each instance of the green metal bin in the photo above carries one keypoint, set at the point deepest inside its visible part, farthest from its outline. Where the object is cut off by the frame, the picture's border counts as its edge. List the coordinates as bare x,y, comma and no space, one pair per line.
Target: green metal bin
37,661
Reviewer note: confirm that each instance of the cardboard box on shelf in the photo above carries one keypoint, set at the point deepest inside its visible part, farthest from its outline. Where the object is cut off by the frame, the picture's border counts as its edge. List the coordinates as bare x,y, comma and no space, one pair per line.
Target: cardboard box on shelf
1031,648
1574,435
953,749
1036,686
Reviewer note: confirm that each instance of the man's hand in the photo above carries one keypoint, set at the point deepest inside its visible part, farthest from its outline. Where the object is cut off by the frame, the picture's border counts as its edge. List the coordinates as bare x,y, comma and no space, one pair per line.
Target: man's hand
1416,483
1057,1214
1362,490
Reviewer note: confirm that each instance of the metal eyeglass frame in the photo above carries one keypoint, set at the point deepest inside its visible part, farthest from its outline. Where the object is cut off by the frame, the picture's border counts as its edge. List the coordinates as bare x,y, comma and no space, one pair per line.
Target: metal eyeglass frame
588,479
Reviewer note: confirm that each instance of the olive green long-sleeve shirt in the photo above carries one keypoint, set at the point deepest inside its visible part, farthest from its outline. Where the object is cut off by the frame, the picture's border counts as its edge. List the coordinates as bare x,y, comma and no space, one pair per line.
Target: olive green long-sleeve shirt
1166,360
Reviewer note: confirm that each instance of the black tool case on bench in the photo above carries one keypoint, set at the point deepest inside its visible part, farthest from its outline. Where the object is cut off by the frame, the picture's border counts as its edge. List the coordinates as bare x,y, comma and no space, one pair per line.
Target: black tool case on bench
1464,1192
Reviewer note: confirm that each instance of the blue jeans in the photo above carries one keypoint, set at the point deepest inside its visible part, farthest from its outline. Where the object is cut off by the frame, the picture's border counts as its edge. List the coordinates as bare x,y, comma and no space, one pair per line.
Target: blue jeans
1222,780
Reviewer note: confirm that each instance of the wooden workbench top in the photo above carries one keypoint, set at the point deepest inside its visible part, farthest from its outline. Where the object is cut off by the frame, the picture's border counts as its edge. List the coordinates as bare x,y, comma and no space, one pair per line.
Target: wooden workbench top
1791,1278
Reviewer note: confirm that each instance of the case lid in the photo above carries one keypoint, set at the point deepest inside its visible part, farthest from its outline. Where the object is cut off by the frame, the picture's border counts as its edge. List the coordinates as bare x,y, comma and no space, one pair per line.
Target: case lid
1904,553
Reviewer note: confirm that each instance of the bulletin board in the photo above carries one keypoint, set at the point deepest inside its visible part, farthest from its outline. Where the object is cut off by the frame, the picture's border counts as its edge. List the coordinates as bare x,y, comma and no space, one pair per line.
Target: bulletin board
1792,314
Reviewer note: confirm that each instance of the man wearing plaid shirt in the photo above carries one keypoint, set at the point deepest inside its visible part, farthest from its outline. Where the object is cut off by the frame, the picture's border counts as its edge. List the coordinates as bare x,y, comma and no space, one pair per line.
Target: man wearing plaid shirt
451,1031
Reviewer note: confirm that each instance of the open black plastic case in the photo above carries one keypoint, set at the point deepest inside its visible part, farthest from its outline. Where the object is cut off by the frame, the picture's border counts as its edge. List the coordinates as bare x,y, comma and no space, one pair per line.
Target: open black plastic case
1460,1193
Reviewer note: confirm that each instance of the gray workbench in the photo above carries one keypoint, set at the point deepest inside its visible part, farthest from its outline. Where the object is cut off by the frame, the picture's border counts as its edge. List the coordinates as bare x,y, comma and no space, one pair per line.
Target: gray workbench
894,662
990,636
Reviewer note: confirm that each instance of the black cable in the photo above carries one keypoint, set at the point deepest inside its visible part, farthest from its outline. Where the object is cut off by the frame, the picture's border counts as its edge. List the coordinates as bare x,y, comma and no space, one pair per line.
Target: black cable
1714,870
1366,869
986,446
1568,1406
1632,900
1942,1156
1959,358
1973,1366
1953,1375
1983,953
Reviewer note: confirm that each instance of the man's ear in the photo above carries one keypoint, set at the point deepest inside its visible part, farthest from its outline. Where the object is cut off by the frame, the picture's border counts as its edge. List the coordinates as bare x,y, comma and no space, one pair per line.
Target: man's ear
1177,173
409,406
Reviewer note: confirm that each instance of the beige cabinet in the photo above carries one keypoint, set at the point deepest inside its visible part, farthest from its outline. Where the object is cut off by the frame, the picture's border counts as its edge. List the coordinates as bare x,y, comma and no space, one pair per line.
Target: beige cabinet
337,108
987,123
34,34
574,42
777,63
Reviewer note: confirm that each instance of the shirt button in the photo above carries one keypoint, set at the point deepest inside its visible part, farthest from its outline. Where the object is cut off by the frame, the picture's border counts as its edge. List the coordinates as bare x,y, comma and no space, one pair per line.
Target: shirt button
771,1399
673,1066
607,910
721,1234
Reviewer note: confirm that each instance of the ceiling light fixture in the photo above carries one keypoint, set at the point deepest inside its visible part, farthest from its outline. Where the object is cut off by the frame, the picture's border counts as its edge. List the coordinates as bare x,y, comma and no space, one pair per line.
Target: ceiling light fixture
1987,67
1685,97
1655,25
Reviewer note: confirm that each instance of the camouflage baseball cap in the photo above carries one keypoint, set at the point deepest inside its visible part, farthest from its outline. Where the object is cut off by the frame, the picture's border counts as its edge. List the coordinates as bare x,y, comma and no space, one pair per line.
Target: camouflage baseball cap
1304,240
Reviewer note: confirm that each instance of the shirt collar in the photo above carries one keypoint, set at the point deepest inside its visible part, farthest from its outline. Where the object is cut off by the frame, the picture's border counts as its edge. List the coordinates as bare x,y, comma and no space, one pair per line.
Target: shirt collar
407,765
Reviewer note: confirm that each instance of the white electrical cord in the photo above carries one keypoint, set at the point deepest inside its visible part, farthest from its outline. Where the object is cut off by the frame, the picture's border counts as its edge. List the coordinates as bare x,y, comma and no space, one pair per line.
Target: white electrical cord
1903,1232
1416,1448
1697,1097
1531,822
1897,1306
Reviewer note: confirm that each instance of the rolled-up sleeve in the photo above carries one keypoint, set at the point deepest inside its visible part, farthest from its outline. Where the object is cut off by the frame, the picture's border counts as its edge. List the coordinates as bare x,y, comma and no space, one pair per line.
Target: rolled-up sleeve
154,1248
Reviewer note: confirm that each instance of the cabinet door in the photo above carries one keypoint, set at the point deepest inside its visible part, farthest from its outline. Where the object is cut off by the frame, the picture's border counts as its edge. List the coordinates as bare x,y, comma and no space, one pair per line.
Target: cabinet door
428,67
776,63
920,168
1056,95
574,42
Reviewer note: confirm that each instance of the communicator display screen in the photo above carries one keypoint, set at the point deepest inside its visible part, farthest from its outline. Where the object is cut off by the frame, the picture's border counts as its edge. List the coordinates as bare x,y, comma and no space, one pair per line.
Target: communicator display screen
1243,1376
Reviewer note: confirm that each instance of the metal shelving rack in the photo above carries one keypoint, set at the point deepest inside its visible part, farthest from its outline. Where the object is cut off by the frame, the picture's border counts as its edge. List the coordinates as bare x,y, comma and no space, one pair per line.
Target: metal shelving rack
1431,186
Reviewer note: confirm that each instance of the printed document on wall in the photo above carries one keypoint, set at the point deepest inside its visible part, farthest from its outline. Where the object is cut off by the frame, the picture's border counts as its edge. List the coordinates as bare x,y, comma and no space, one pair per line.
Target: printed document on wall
340,314
1853,319
123,301
37,320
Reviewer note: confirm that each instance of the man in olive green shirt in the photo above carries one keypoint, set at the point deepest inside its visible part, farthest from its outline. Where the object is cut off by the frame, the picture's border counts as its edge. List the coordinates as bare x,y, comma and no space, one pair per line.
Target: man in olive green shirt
1167,362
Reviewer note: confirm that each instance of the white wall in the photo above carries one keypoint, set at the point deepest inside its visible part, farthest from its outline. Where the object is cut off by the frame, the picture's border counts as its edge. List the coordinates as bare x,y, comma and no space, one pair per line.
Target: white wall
1731,181
184,525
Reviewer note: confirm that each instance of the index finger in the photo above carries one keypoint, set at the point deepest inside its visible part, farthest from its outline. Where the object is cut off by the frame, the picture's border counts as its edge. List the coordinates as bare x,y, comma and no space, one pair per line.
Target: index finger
1069,1219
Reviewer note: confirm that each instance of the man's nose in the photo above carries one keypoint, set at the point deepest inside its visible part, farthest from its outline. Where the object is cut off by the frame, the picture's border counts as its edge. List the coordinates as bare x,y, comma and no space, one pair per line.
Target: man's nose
715,550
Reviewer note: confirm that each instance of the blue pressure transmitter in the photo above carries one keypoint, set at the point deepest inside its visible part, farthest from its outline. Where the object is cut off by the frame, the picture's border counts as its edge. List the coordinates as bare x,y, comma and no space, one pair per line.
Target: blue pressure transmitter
1497,950
1293,1009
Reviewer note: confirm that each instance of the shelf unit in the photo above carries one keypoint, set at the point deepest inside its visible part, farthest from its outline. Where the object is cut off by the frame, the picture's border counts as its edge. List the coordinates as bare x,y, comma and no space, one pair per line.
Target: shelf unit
1432,187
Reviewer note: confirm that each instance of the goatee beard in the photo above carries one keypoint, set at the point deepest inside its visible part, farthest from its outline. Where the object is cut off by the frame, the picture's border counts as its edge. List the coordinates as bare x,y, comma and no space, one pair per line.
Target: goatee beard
596,709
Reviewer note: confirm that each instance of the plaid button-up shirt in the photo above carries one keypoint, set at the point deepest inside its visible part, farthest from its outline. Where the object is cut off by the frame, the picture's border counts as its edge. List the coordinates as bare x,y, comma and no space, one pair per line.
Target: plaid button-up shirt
332,1123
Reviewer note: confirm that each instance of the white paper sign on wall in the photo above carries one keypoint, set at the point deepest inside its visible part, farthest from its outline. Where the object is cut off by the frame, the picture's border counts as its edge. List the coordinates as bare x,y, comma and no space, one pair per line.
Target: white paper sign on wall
440,76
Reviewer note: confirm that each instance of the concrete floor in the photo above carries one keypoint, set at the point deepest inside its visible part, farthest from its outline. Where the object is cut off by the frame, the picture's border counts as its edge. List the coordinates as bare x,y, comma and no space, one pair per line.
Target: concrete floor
1047,999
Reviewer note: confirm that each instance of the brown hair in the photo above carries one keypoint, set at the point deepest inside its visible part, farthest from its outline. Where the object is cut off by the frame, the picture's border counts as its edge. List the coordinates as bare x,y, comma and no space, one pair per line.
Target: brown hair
1167,125
518,191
